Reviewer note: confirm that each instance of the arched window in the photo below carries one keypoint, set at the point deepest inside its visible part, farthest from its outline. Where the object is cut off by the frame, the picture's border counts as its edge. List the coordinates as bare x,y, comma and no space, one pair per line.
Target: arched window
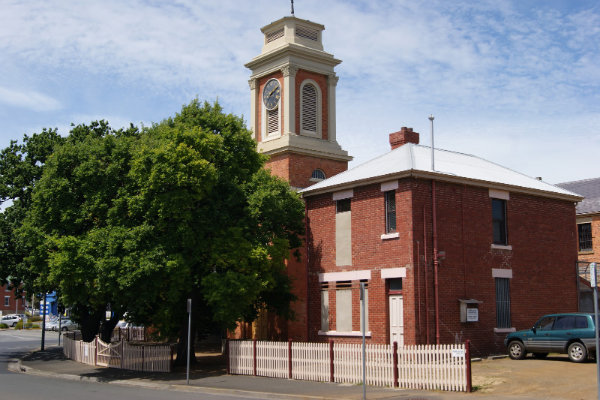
317,175
310,108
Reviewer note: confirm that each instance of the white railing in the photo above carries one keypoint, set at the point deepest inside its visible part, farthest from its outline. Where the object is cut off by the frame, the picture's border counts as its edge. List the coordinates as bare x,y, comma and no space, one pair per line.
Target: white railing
433,367
146,357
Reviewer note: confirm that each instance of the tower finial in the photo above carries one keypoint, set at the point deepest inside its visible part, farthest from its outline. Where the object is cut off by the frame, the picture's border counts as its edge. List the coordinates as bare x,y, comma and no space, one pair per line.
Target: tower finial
292,7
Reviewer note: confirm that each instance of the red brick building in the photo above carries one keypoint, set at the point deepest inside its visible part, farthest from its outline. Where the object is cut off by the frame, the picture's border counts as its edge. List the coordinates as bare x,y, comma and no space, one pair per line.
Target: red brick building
8,304
465,250
588,233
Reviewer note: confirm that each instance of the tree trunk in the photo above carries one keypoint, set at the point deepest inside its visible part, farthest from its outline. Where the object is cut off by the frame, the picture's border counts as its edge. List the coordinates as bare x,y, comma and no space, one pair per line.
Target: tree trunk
107,327
90,323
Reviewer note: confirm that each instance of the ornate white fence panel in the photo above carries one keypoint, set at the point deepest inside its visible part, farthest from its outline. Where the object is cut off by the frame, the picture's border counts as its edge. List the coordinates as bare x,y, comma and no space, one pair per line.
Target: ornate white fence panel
310,361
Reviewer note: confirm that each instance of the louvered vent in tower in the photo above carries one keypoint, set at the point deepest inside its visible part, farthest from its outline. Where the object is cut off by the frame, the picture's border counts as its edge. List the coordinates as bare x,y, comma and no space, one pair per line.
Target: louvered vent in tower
272,121
309,108
274,35
307,33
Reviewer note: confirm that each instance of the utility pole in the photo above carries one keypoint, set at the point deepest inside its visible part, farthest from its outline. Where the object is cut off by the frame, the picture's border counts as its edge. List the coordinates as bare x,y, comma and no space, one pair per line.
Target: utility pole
44,323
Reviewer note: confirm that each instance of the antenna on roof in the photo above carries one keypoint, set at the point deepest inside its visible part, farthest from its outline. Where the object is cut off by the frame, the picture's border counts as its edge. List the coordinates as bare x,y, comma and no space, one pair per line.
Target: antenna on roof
292,7
432,158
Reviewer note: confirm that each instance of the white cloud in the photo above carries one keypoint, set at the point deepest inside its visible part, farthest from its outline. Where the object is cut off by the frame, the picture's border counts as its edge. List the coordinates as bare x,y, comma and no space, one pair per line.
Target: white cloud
487,69
28,99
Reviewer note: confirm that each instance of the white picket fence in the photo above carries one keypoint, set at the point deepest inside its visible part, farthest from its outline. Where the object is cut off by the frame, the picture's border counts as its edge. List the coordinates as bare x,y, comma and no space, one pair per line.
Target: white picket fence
139,357
131,334
79,350
433,367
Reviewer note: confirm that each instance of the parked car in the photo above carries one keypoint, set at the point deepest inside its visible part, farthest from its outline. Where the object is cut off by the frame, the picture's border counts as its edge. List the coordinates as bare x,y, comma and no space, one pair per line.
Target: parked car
11,319
65,325
571,333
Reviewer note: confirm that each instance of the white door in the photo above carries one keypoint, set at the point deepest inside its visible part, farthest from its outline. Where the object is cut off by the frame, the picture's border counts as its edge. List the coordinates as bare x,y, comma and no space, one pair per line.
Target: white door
396,320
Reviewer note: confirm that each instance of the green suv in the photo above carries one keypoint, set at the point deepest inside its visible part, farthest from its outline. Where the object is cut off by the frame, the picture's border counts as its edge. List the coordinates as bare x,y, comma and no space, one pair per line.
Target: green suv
571,333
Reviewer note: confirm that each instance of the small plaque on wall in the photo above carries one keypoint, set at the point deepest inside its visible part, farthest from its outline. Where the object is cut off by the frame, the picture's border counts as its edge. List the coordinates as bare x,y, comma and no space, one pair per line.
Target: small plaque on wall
472,314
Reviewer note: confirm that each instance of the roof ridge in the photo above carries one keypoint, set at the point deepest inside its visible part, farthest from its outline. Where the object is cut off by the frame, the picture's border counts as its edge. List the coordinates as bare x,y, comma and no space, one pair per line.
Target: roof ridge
579,181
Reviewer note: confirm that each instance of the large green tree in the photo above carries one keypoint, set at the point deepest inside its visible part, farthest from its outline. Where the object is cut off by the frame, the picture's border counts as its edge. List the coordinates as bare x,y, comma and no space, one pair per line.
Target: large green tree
21,166
142,221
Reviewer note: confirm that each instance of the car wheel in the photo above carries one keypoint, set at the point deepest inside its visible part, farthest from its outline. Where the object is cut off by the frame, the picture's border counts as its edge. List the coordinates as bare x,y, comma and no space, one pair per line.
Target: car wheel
516,350
541,356
65,329
577,352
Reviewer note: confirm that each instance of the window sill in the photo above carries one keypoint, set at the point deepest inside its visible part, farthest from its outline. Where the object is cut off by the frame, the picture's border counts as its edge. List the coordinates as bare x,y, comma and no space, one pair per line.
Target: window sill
393,235
501,247
336,333
585,252
504,330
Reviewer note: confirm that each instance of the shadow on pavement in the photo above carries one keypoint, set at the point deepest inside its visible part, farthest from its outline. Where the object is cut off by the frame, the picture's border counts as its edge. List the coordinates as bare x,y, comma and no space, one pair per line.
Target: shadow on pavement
208,365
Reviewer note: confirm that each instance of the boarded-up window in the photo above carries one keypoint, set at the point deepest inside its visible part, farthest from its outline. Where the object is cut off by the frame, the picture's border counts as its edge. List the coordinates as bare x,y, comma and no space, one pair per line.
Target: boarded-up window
343,310
324,309
366,309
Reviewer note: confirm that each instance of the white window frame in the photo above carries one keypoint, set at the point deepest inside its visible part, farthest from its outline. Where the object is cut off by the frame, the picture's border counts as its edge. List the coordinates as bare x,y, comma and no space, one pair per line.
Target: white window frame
319,108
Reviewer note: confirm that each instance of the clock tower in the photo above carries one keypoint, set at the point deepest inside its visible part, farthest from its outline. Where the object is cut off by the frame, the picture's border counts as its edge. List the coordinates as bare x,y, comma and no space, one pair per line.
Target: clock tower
292,115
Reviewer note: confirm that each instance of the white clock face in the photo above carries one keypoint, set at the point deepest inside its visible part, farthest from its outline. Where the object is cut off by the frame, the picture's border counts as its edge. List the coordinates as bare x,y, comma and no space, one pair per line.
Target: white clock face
271,94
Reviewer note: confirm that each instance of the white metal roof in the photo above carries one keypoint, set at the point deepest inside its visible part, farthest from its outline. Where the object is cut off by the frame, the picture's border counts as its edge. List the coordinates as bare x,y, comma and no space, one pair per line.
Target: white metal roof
415,160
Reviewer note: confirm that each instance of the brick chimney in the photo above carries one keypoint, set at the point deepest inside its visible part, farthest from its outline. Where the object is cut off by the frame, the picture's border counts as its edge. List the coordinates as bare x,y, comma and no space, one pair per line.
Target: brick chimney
403,136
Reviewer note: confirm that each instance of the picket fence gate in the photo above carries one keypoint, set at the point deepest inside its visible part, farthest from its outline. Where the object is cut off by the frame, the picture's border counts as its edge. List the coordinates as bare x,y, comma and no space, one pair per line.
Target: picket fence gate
139,357
433,367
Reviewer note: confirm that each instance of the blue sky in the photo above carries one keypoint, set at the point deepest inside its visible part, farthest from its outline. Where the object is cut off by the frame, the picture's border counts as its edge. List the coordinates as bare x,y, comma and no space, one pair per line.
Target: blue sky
514,82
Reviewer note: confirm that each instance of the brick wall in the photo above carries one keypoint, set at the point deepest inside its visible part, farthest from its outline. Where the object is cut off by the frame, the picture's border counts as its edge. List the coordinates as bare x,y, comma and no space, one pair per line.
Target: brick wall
592,256
297,168
541,232
13,304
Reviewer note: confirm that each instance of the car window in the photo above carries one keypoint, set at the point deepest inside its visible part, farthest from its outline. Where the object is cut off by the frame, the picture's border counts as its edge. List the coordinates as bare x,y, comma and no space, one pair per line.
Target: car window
581,322
564,322
545,324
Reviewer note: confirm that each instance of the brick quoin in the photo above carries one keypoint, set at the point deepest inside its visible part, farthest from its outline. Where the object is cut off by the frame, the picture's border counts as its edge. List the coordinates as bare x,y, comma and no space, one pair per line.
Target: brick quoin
541,231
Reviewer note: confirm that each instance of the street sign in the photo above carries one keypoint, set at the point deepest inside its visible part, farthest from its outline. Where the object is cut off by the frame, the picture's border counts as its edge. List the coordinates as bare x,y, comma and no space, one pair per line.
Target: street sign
593,274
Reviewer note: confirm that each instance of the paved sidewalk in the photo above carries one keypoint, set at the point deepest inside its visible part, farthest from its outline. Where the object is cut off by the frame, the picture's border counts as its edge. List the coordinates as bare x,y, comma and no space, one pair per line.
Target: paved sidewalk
212,379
